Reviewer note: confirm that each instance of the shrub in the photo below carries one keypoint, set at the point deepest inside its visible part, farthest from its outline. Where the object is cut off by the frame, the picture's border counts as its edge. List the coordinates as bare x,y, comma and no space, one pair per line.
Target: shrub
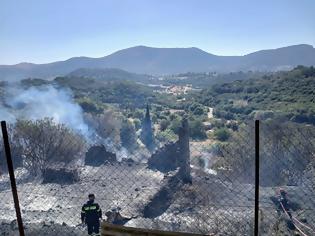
166,136
138,114
164,124
45,142
232,125
175,125
222,134
137,123
197,129
197,109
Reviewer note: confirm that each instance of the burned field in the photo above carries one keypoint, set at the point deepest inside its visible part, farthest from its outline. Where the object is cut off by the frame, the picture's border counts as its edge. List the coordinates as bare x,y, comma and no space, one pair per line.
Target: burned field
150,199
176,194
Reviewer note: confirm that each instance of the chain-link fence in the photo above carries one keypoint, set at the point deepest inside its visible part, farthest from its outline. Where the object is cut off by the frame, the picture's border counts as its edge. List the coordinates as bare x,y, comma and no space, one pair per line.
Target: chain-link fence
205,187
287,178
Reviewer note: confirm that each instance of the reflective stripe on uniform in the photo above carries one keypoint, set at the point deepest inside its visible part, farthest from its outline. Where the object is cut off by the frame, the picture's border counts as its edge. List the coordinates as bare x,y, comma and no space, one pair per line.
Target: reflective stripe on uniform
90,208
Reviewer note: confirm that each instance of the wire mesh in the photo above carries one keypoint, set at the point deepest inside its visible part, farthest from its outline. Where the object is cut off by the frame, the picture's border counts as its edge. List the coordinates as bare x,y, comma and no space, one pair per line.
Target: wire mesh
287,178
204,187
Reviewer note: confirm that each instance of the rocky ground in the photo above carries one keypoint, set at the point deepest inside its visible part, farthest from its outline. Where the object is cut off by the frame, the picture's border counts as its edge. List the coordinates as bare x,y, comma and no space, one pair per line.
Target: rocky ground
211,204
124,185
43,228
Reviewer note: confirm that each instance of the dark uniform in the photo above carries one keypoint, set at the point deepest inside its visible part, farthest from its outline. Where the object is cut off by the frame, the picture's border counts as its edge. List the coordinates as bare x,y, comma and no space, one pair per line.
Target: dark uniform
283,200
91,215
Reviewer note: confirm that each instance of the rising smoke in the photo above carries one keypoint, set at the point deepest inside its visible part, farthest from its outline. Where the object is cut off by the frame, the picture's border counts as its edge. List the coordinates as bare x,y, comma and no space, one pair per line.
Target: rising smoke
41,102
36,103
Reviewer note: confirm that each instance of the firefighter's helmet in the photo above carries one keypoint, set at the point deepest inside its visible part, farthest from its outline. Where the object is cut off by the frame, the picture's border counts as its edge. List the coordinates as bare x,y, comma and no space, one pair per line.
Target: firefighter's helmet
282,191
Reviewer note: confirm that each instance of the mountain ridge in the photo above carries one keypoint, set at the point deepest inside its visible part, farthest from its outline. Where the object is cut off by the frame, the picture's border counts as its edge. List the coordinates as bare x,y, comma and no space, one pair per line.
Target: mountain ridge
160,61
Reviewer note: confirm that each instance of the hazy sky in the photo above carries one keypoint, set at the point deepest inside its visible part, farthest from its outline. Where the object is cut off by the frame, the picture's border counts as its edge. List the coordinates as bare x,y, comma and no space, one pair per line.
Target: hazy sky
48,30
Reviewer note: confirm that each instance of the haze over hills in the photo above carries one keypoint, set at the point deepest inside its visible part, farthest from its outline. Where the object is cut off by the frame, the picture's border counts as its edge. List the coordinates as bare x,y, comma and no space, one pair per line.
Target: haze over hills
161,61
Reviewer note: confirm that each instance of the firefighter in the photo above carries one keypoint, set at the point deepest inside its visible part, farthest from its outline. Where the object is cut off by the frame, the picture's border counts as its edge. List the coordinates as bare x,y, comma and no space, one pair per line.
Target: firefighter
284,202
91,215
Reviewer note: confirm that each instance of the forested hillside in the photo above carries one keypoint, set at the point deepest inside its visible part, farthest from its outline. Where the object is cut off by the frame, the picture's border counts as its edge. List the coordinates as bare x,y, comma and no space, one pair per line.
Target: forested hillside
125,93
283,95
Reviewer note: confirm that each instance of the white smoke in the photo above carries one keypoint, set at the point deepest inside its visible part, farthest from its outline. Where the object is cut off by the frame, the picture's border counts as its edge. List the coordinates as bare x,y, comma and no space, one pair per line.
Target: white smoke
207,168
122,153
41,102
47,101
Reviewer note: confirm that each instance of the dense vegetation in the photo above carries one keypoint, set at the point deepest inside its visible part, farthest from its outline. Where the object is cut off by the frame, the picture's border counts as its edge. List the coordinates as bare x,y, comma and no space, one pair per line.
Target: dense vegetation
204,80
109,74
115,109
125,93
284,95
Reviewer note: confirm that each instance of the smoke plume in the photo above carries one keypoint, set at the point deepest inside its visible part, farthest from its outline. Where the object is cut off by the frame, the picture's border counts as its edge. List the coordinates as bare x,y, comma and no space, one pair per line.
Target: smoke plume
41,102
47,101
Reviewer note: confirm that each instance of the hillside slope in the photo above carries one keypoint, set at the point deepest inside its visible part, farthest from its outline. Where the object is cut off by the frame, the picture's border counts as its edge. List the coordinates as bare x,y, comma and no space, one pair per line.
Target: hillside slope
159,61
108,74
285,95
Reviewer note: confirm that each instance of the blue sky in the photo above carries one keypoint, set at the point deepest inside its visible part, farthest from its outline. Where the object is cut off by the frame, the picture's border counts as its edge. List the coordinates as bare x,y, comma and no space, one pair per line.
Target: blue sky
42,31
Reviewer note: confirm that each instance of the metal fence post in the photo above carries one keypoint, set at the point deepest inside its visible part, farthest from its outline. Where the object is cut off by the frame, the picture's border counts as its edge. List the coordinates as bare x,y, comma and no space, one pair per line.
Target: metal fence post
12,177
256,177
